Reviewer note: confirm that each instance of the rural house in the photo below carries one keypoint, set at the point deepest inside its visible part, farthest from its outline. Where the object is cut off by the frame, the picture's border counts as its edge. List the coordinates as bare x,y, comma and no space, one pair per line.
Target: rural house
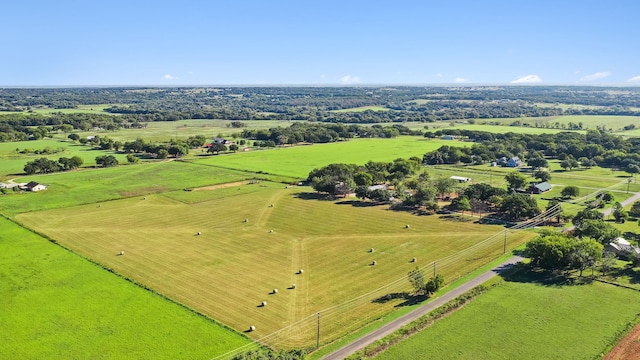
622,248
378,187
33,186
539,188
514,162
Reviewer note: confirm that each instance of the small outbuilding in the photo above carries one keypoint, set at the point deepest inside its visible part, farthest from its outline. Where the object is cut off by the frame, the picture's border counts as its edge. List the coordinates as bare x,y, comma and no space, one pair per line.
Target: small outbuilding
33,186
460,179
539,188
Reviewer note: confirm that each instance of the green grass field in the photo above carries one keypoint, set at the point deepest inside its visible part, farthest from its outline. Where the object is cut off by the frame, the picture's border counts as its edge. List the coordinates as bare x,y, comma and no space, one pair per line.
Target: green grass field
54,304
500,129
526,319
362,108
96,109
232,267
298,161
12,162
165,130
91,186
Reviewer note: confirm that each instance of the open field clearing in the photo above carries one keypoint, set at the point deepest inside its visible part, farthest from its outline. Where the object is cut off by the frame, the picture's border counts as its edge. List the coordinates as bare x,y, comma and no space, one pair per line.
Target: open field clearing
298,161
500,129
233,265
54,304
90,186
166,130
12,162
528,318
362,108
95,109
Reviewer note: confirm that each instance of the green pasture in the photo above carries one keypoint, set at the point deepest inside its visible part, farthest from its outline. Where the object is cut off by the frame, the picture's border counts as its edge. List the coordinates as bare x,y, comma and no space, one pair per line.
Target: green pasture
54,304
233,265
362,108
159,131
298,161
12,162
96,109
499,129
91,186
528,317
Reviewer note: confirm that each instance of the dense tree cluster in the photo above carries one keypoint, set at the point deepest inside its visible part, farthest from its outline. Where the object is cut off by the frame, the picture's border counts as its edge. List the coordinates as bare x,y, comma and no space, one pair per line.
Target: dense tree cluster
323,133
593,148
32,126
562,252
45,166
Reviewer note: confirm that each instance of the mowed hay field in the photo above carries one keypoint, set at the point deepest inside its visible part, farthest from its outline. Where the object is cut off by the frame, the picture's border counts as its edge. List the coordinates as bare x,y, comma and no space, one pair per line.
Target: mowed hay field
56,305
228,270
298,161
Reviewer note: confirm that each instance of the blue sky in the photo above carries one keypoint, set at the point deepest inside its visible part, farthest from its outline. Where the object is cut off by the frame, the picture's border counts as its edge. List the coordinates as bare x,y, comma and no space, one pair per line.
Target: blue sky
73,43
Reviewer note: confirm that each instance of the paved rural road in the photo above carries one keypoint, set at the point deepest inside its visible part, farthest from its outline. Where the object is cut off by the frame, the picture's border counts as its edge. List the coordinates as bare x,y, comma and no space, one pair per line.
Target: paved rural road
415,314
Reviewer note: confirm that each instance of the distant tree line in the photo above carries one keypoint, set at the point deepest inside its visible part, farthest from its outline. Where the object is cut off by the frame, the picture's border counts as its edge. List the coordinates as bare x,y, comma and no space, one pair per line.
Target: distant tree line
403,103
323,133
572,148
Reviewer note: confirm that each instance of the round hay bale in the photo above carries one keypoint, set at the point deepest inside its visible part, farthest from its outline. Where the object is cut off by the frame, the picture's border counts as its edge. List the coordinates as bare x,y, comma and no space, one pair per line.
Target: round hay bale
246,220
371,250
98,206
300,271
293,286
270,231
199,233
274,291
264,303
252,328
407,226
373,263
121,253
413,259
144,198
271,205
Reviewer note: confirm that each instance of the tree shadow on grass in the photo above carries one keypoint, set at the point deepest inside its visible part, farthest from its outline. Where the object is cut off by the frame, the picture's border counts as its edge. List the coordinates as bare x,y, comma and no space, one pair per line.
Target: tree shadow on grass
456,218
358,203
631,236
408,299
313,196
525,273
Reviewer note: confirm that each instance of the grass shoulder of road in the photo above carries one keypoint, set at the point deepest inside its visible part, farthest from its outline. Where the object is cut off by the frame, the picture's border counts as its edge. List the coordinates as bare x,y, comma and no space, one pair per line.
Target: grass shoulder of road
329,348
54,304
524,310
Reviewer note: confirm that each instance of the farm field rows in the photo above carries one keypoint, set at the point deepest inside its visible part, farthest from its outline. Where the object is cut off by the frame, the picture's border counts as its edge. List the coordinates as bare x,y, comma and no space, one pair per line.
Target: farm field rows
526,317
54,304
298,161
228,270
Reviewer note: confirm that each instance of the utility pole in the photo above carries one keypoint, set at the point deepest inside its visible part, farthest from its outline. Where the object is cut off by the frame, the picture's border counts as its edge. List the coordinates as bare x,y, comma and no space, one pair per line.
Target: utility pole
628,182
504,248
318,337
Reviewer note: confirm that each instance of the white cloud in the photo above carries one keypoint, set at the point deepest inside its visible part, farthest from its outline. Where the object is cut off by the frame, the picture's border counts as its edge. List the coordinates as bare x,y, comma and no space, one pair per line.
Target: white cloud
438,75
169,77
348,79
596,76
528,79
460,80
634,79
